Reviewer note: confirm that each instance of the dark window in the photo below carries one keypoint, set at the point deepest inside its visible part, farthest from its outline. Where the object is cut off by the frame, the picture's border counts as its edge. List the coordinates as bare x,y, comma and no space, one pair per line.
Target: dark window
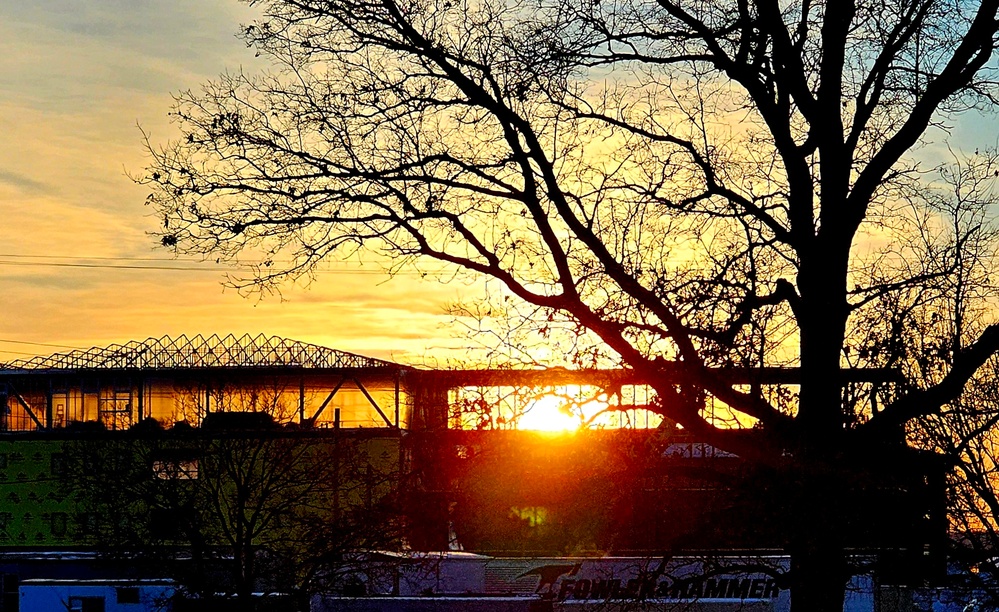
86,604
57,464
57,524
127,595
86,523
164,523
3,461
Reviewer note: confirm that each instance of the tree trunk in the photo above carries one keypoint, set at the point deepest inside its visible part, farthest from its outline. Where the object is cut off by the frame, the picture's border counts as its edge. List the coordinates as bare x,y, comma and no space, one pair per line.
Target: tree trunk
822,318
818,577
819,493
817,526
245,586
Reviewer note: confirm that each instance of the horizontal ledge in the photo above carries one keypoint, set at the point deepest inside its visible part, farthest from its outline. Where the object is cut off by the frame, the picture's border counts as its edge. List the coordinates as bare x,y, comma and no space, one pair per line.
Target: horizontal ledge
613,377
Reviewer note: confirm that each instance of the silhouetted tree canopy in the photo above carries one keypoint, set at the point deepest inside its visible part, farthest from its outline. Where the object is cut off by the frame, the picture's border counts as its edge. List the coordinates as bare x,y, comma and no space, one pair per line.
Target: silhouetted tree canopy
677,185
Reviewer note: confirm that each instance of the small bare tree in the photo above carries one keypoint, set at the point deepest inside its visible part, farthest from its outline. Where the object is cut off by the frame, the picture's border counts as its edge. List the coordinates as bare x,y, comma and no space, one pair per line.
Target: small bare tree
238,511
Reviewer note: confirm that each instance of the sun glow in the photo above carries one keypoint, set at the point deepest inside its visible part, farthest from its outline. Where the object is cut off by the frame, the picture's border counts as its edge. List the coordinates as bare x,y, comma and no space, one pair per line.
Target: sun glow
559,408
548,413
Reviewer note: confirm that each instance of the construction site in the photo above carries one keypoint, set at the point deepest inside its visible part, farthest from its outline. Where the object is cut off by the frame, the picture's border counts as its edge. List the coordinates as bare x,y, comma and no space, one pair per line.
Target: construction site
122,469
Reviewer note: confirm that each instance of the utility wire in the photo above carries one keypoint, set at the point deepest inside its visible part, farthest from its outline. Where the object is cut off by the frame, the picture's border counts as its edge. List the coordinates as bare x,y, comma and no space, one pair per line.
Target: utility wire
54,264
107,258
21,256
6,352
40,344
78,258
353,259
331,270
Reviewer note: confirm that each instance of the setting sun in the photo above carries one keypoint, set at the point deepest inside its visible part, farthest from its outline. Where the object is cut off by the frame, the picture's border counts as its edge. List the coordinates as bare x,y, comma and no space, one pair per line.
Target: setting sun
548,414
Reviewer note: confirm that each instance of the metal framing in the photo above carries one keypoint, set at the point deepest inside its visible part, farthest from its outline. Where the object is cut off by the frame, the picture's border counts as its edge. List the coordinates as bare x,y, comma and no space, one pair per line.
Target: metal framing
205,359
360,387
200,352
208,358
611,377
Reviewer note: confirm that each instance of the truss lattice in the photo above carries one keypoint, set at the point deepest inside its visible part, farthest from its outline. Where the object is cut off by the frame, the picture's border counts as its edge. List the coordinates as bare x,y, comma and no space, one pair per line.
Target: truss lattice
200,352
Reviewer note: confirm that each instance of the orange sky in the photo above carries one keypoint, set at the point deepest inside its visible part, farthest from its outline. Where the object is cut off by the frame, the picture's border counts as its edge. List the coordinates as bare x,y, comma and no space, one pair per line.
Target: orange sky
76,79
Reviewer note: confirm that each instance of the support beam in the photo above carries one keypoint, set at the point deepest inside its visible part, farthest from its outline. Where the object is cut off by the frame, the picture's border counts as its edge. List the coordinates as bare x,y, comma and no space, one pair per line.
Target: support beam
141,394
301,400
328,399
27,408
396,380
48,405
372,401
612,377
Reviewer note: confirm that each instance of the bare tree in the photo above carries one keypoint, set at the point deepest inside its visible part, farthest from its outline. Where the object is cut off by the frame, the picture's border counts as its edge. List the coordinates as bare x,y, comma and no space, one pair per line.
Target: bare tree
237,511
967,433
682,184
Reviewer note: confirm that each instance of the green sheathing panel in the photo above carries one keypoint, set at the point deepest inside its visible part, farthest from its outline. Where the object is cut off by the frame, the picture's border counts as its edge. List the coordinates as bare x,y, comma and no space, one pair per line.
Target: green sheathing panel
37,509
67,493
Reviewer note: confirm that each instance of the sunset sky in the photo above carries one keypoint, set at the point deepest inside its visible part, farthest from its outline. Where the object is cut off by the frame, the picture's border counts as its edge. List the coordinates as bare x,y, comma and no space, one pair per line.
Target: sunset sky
76,80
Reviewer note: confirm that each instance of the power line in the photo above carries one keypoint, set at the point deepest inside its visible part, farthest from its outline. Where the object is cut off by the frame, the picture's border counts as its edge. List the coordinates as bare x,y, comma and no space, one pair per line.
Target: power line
78,258
54,264
86,257
189,269
39,344
6,352
243,266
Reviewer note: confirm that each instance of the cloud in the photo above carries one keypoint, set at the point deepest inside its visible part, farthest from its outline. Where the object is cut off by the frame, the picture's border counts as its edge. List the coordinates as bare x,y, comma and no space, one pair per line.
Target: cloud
96,307
23,183
78,77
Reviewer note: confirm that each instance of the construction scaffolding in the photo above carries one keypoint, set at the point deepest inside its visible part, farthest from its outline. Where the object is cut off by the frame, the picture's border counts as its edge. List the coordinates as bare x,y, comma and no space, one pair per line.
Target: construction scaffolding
199,352
186,378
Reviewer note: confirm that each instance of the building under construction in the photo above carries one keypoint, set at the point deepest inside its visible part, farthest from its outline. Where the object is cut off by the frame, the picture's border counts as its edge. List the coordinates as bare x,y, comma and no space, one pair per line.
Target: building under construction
442,445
